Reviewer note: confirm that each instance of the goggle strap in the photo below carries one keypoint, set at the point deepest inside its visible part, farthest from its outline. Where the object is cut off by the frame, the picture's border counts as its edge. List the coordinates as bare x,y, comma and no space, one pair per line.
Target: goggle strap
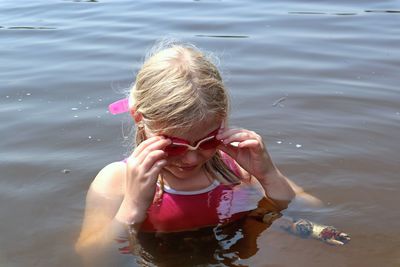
120,106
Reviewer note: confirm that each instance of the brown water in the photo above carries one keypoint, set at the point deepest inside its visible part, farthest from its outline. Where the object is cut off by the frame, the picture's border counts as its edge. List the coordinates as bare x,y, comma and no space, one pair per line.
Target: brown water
319,80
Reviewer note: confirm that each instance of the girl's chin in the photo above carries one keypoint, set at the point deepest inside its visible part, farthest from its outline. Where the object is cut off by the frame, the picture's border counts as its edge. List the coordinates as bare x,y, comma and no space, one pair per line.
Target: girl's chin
179,170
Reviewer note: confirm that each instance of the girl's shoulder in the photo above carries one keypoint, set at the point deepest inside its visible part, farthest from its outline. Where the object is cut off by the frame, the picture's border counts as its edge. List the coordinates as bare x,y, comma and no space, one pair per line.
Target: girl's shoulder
110,180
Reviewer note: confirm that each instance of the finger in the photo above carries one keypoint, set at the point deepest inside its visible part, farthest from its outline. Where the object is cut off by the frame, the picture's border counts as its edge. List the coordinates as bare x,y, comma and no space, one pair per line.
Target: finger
334,242
239,137
152,158
155,170
230,132
255,144
344,237
228,149
158,145
145,144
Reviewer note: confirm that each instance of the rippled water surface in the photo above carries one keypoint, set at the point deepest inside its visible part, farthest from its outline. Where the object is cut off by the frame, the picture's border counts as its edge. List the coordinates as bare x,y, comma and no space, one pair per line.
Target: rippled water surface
318,79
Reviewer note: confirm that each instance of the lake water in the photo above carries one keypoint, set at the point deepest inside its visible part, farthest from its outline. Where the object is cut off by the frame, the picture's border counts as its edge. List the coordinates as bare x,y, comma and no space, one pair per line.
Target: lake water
318,79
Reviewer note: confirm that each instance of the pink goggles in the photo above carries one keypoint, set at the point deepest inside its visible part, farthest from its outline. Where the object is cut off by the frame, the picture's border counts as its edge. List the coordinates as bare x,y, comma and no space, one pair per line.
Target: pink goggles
181,146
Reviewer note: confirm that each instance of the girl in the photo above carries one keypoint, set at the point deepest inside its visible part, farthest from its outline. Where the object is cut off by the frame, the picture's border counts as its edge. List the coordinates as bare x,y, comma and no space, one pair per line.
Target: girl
189,170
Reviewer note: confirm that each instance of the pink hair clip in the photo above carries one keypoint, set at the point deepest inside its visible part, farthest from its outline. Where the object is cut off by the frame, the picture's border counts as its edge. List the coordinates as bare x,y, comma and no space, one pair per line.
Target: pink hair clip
120,106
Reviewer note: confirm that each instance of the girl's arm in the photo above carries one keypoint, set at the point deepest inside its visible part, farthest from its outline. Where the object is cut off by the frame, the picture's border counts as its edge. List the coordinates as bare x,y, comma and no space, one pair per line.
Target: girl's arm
249,151
103,200
120,195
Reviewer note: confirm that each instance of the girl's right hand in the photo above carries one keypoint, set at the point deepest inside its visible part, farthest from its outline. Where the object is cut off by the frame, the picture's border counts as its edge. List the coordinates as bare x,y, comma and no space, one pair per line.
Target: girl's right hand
143,168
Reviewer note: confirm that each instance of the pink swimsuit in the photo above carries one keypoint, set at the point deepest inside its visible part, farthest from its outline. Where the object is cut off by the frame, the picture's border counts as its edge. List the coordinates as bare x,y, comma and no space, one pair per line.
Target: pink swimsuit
190,210
179,211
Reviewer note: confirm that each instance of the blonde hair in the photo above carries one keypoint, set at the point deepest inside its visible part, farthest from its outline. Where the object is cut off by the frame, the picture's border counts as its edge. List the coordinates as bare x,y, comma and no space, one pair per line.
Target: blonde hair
177,87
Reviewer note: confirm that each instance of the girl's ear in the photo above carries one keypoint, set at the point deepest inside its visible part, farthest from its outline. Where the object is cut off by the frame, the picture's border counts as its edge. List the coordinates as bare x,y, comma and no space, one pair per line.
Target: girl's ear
137,117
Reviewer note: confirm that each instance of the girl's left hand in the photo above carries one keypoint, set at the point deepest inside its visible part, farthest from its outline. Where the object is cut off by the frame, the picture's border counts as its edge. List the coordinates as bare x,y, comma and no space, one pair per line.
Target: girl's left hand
248,151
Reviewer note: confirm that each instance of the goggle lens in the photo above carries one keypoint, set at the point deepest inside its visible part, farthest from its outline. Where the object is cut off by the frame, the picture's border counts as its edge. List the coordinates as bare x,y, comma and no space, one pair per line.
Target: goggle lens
209,144
174,150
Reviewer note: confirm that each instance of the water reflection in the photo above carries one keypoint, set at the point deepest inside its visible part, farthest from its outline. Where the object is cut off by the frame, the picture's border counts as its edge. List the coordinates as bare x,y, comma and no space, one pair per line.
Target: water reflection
231,239
228,244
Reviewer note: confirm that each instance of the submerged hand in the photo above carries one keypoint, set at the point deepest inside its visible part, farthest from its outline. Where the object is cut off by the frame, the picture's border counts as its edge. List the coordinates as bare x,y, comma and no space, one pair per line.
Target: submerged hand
327,234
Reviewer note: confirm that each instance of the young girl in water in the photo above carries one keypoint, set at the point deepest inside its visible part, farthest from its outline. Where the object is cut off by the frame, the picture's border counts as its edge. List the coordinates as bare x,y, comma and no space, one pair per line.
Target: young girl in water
189,169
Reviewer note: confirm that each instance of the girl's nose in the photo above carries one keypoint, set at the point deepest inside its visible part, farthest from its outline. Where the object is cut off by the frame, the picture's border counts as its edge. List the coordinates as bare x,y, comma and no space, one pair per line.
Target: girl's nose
191,157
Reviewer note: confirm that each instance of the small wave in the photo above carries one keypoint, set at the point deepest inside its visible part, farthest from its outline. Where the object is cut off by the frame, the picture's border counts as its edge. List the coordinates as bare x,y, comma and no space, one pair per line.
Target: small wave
28,28
322,13
382,11
86,1
222,36
307,13
341,13
345,14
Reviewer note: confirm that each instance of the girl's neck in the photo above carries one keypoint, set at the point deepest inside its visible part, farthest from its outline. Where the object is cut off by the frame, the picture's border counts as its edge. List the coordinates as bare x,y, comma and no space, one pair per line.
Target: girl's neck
198,181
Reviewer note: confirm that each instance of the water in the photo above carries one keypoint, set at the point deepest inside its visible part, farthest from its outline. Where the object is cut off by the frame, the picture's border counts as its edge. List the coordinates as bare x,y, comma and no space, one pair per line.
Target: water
318,79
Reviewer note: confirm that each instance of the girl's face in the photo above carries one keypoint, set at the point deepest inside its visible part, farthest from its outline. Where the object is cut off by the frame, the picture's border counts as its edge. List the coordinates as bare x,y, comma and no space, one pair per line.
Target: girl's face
190,162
